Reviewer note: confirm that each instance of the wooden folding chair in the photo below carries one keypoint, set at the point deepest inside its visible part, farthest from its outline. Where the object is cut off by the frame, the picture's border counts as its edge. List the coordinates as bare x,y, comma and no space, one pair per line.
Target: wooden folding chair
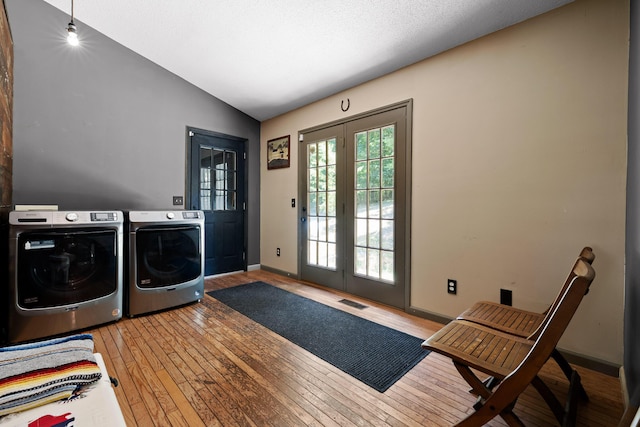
524,323
514,361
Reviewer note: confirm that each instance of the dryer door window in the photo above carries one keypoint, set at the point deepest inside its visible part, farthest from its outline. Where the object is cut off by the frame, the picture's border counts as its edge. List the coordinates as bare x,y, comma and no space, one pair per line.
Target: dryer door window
167,256
63,267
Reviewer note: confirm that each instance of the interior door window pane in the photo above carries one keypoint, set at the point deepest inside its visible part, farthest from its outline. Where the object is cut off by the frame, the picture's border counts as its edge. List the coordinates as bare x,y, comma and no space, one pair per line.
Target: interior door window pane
205,199
231,181
231,200
218,200
206,162
218,174
230,161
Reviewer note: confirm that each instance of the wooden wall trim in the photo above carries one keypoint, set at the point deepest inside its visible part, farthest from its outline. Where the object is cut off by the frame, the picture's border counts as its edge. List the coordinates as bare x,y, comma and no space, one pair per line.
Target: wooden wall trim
6,111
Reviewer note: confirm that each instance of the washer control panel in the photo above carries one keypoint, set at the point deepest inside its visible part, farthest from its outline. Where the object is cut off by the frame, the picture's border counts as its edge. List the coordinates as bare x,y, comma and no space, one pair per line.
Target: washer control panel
165,216
192,214
64,217
104,216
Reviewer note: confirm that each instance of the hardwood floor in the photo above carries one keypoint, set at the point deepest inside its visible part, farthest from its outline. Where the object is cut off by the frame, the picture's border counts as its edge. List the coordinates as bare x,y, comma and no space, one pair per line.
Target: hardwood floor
206,365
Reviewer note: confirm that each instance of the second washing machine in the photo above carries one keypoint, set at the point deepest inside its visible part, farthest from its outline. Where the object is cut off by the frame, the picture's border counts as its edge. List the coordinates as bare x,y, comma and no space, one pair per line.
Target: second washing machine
165,260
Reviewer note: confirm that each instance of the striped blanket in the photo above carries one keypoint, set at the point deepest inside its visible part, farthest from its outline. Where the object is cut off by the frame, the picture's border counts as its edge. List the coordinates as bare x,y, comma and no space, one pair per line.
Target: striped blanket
38,373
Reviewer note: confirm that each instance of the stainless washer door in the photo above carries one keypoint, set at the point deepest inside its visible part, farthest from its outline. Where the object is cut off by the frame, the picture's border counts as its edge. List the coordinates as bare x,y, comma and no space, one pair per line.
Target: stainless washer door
62,267
167,256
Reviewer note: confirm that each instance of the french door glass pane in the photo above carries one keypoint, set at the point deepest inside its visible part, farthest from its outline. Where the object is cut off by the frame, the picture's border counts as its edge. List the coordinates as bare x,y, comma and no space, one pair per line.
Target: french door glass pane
313,252
374,203
321,202
360,264
331,230
386,265
361,204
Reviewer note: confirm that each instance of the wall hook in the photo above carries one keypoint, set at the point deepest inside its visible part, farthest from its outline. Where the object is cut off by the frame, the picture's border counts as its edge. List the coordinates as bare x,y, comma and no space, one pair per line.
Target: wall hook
342,105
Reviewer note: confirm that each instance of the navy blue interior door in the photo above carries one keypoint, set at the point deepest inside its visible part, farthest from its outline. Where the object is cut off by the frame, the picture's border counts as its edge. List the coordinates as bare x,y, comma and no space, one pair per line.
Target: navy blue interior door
217,187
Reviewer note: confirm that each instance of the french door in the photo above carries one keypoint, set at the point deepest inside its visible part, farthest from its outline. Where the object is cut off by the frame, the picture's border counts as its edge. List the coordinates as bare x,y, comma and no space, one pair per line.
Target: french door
322,207
354,225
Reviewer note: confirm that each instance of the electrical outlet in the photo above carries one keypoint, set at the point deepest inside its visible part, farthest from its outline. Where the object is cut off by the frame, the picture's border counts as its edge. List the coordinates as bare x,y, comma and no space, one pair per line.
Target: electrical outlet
452,286
506,297
277,251
178,200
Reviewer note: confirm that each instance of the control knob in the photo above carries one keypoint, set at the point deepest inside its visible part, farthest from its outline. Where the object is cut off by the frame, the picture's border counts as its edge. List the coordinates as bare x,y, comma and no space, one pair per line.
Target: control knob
71,216
171,215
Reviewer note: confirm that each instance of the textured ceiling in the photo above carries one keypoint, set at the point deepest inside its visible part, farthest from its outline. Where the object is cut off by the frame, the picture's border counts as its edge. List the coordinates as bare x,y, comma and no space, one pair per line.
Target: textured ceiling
267,57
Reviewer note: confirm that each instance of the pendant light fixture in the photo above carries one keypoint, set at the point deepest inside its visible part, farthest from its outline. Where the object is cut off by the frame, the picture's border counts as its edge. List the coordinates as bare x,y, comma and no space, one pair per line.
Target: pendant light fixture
72,35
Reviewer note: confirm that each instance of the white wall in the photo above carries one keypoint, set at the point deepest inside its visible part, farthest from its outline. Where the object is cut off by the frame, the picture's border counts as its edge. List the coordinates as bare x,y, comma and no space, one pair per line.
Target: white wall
519,160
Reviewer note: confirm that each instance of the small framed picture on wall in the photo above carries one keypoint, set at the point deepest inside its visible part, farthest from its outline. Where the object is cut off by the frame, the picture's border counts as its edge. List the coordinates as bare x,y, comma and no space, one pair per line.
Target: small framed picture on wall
278,152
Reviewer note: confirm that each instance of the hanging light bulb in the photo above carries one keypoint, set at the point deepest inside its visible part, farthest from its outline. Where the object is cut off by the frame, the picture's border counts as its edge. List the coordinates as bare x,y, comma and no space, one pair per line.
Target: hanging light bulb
72,35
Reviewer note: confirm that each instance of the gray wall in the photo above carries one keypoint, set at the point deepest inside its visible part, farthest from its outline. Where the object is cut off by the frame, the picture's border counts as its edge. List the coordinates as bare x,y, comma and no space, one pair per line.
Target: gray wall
100,127
632,255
